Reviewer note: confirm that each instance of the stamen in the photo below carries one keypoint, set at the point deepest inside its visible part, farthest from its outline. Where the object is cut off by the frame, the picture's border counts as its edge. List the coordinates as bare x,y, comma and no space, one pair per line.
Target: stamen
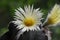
29,21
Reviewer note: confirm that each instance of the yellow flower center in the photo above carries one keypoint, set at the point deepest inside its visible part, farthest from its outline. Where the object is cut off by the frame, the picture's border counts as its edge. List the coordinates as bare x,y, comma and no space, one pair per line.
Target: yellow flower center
29,21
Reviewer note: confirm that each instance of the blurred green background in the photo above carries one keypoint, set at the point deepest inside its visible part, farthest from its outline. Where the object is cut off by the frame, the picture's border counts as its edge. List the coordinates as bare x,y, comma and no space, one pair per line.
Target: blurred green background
7,12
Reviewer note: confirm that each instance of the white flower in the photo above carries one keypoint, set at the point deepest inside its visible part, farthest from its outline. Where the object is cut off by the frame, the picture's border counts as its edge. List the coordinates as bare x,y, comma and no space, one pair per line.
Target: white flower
28,19
53,17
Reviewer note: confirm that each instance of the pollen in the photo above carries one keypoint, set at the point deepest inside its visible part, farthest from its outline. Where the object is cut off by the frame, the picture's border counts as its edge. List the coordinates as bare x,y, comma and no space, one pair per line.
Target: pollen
29,21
